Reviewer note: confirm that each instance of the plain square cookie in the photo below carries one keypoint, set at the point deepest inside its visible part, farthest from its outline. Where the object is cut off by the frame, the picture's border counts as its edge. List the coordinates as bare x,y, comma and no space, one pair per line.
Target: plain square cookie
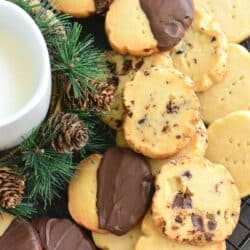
233,92
229,144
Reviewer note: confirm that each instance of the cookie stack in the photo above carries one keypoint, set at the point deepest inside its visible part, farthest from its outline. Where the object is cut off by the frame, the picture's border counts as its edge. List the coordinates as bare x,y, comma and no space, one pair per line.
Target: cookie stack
170,182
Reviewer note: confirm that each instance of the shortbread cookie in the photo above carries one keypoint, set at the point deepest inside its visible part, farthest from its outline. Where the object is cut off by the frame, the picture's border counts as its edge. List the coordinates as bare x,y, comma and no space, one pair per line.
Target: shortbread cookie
202,53
229,144
152,239
233,16
162,112
197,147
125,188
233,92
195,201
5,221
81,8
123,70
82,194
113,242
143,27
120,139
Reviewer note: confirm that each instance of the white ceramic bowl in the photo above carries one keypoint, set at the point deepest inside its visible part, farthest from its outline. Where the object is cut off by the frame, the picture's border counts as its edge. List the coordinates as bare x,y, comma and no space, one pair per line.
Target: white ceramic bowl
13,127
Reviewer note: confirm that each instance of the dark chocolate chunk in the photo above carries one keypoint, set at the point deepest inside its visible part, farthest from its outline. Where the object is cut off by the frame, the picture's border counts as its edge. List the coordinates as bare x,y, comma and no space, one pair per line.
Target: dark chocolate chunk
187,175
178,219
127,66
197,222
169,19
125,188
212,224
172,108
102,6
20,235
139,64
183,201
61,234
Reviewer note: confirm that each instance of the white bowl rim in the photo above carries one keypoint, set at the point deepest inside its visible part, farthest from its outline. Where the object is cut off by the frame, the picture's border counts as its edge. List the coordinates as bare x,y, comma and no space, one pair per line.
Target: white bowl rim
44,80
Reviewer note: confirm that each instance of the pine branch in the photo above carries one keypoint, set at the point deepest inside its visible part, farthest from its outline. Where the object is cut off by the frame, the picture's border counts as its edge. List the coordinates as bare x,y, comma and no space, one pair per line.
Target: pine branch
47,171
78,60
22,210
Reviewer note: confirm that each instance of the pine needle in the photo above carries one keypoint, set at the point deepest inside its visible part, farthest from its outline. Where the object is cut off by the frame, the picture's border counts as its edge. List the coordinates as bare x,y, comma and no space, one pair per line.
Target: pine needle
47,171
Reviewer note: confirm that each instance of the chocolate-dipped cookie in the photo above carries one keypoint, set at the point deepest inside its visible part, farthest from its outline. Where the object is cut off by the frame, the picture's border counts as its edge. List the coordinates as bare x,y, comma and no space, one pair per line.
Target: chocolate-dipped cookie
79,8
142,27
111,193
124,190
61,234
20,235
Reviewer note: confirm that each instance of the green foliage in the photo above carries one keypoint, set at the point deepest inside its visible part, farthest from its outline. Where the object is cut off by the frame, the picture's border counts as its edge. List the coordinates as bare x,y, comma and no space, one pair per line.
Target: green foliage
78,60
22,210
47,171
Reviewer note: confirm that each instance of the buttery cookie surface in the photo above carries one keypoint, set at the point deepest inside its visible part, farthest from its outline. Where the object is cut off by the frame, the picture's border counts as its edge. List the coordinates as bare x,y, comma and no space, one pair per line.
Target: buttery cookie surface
233,92
233,16
162,112
82,194
202,53
152,239
196,147
196,202
229,144
143,27
81,8
114,242
123,70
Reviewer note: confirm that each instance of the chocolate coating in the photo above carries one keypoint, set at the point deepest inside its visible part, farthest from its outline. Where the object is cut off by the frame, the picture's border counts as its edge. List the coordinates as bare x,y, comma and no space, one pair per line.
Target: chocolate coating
20,235
61,234
169,19
102,6
125,188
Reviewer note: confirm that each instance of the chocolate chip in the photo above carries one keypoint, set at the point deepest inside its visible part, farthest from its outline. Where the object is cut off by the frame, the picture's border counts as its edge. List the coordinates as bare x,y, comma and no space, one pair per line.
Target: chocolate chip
142,121
178,52
178,219
113,80
172,108
146,73
139,64
212,224
197,222
195,61
187,175
209,236
178,137
127,66
165,129
213,39
182,201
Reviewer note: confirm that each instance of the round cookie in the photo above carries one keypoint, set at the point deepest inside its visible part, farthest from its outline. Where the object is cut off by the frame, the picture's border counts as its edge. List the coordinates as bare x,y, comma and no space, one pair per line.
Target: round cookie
125,188
143,27
81,8
82,194
152,239
123,70
5,221
202,53
61,234
197,147
229,144
162,112
233,16
20,235
196,202
233,92
113,242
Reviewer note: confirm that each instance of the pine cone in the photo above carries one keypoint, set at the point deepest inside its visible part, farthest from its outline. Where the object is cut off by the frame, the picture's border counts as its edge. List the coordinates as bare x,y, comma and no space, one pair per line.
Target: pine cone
72,135
99,101
11,188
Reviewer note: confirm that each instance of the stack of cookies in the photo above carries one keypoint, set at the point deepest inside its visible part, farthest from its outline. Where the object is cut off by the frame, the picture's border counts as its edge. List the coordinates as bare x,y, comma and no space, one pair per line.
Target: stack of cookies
181,111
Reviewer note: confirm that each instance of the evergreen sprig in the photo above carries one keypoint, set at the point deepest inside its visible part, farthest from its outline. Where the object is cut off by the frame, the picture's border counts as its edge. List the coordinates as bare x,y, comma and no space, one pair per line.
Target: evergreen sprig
47,171
78,60
22,210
